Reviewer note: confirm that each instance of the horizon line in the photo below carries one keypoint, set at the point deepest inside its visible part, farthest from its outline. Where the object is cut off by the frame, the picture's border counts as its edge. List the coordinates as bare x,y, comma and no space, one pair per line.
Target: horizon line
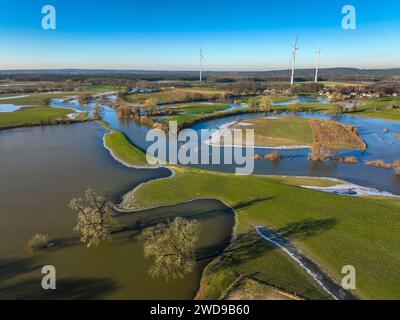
187,71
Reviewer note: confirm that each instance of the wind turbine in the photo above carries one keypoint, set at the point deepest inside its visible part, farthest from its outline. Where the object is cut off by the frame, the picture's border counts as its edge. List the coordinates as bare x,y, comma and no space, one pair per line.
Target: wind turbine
201,64
295,48
318,52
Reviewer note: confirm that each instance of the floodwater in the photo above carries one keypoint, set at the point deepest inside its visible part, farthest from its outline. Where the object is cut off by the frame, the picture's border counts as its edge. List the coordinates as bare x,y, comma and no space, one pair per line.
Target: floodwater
9,107
41,170
377,133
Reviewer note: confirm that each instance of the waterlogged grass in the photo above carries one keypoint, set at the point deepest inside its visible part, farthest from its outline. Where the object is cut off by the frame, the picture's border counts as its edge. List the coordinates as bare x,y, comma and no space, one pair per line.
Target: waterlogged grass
32,116
192,111
208,90
380,108
332,230
102,89
173,96
38,99
124,150
201,108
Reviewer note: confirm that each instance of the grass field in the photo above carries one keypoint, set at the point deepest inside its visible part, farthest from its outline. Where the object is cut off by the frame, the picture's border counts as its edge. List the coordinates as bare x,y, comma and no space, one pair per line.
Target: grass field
278,269
38,99
171,96
378,108
124,150
206,90
332,230
191,111
32,116
283,131
201,108
373,108
101,89
291,131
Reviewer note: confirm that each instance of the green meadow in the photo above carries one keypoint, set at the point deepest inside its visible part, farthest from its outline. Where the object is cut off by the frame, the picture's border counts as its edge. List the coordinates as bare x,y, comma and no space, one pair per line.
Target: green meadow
37,99
32,116
332,230
124,150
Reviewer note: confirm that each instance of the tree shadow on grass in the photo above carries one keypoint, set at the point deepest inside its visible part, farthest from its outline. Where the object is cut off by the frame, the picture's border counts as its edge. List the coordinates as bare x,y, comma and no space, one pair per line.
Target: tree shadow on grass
307,228
246,204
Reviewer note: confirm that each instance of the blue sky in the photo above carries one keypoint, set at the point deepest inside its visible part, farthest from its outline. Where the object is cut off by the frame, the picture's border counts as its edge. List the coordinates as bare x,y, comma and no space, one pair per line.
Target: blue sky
166,35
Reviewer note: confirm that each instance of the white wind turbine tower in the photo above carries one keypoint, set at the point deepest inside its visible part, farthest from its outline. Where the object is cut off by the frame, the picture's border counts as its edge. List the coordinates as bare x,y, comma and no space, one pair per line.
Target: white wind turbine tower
201,64
318,52
295,48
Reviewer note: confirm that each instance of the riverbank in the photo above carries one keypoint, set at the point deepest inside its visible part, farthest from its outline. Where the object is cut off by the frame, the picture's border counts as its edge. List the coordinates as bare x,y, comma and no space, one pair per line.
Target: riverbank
319,224
35,116
123,151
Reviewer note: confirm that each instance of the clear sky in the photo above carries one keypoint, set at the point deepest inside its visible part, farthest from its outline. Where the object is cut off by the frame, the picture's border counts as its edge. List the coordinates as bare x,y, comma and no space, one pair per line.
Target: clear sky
167,35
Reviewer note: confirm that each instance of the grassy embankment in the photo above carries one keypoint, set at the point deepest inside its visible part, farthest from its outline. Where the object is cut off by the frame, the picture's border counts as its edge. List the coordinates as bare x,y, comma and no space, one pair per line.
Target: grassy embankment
332,230
291,131
33,116
170,96
35,111
123,149
278,264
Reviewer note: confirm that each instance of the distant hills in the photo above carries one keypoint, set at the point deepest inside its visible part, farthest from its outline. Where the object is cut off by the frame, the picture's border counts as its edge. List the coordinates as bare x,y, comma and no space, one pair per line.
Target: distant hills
343,74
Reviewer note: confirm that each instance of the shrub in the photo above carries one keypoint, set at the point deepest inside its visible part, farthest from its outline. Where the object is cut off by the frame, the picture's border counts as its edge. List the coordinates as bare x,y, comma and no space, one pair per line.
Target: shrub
320,153
378,164
38,242
295,107
257,157
274,156
338,108
396,167
350,160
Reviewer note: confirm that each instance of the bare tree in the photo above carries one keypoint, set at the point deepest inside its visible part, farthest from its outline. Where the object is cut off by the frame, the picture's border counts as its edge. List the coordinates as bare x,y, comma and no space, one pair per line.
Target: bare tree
94,217
172,246
98,112
396,167
321,153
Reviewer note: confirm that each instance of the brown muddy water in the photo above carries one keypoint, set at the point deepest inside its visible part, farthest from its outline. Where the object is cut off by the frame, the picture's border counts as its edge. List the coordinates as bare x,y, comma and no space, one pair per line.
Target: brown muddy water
41,169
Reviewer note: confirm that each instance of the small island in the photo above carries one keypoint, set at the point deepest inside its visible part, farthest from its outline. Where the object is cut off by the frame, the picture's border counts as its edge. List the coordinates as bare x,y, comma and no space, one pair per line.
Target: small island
296,133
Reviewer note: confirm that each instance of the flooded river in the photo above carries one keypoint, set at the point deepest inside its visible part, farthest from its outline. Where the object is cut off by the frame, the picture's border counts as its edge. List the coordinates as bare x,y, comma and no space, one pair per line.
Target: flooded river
41,169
